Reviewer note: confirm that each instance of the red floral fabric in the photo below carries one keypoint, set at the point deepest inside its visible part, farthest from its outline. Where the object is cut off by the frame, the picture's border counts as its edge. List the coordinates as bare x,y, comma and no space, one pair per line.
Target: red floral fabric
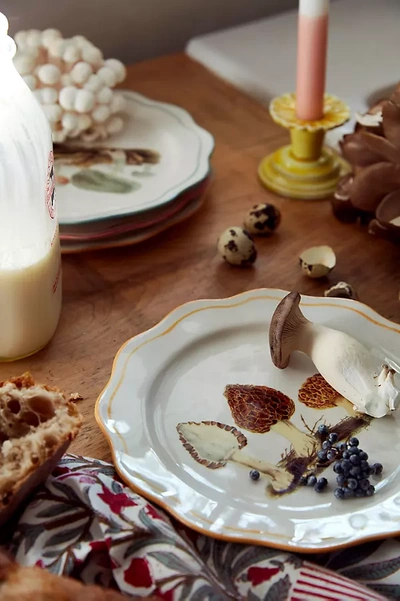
85,523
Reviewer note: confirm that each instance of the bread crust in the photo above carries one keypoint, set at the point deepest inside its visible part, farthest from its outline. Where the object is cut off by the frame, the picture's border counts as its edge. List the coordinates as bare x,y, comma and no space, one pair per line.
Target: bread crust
19,583
37,424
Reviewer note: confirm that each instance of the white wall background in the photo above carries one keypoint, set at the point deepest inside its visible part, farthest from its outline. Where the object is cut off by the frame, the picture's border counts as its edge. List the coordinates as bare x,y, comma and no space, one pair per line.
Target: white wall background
133,30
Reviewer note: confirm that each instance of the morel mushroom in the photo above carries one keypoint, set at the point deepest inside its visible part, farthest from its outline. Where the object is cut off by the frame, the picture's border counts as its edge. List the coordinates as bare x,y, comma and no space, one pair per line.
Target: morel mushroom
260,409
347,365
316,393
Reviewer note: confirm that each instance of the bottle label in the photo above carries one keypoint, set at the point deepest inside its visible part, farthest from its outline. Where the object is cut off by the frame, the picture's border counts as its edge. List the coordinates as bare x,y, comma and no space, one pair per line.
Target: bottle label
50,187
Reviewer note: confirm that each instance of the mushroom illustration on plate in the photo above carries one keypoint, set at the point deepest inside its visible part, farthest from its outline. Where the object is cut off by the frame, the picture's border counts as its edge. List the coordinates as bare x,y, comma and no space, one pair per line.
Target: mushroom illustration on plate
260,409
213,444
316,393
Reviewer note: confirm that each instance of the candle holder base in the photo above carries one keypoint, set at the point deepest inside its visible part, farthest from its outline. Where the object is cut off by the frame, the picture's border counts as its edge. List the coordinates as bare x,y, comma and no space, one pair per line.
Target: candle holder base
315,179
305,168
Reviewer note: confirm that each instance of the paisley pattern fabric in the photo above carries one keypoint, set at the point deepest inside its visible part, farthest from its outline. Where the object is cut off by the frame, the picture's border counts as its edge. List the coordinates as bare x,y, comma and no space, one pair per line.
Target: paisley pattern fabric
87,524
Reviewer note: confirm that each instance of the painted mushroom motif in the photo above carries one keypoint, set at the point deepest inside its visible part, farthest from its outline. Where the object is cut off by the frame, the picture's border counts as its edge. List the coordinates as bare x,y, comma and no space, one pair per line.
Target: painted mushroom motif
316,393
213,444
260,409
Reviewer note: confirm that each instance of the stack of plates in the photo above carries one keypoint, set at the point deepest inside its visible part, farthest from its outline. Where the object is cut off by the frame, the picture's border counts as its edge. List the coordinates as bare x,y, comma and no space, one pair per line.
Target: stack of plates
133,186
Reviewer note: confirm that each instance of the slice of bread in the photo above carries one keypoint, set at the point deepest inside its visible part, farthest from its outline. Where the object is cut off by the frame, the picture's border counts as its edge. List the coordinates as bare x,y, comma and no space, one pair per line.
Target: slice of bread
37,424
19,583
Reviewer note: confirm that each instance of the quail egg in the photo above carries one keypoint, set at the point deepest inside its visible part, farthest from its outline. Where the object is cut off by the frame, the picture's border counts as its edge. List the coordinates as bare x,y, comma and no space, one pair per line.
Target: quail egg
236,246
318,261
262,219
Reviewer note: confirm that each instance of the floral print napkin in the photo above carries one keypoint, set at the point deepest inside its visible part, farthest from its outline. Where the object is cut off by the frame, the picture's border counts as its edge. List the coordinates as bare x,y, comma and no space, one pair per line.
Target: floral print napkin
86,524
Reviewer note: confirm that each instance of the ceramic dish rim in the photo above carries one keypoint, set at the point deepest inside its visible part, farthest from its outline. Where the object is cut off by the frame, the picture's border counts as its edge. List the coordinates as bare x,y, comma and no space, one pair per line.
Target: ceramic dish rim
275,294
191,208
207,147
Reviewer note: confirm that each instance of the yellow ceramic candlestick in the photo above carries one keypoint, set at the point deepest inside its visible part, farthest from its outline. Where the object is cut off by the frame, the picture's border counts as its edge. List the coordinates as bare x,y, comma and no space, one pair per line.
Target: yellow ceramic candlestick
305,169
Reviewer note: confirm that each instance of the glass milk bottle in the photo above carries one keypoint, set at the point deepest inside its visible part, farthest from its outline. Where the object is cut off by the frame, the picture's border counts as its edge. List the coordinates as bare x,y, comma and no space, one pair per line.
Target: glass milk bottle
30,259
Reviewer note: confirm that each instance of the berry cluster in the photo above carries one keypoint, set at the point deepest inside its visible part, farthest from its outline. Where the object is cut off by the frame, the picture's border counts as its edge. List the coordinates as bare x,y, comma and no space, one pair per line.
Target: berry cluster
351,466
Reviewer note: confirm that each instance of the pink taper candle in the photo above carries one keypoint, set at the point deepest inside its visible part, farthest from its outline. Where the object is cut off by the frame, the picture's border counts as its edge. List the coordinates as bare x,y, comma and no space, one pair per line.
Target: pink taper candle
312,45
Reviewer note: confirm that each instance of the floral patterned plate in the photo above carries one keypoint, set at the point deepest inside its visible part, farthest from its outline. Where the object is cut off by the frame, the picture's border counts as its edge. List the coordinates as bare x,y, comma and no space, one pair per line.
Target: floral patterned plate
182,435
160,154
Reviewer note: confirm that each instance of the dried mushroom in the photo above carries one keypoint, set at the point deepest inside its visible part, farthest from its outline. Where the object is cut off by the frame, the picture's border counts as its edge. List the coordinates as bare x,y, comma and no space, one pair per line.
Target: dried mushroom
387,218
373,150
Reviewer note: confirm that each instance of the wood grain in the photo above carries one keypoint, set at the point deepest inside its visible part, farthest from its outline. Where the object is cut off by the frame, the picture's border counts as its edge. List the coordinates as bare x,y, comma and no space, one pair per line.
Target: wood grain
112,295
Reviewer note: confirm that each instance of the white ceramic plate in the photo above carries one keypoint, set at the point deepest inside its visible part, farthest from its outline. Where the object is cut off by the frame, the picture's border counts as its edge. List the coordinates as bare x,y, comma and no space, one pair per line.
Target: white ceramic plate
110,227
133,237
177,371
106,190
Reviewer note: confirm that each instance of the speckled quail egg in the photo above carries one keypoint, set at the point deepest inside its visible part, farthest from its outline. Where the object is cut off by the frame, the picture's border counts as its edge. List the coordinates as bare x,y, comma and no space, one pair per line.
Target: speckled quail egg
262,219
236,246
317,261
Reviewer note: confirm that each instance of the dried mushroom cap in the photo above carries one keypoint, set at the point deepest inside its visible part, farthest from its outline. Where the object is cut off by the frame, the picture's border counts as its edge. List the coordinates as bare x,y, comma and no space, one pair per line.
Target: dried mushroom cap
372,184
341,290
363,148
317,261
395,95
387,221
356,151
342,206
380,231
316,393
197,436
342,191
391,122
385,149
258,408
388,212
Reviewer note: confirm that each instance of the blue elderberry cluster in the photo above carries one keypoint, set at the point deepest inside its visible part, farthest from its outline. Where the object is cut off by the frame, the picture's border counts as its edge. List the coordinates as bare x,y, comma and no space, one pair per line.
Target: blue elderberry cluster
350,465
353,471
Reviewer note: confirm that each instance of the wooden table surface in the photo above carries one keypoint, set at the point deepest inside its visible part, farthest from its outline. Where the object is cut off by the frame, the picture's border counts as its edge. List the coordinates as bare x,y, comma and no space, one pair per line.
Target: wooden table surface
112,295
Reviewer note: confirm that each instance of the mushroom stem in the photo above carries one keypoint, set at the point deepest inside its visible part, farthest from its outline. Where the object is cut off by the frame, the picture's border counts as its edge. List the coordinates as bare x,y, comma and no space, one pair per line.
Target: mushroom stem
280,478
347,365
387,385
303,444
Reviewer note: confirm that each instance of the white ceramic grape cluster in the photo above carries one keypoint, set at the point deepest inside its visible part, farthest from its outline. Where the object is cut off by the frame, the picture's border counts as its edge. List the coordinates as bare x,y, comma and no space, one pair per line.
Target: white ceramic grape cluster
72,82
